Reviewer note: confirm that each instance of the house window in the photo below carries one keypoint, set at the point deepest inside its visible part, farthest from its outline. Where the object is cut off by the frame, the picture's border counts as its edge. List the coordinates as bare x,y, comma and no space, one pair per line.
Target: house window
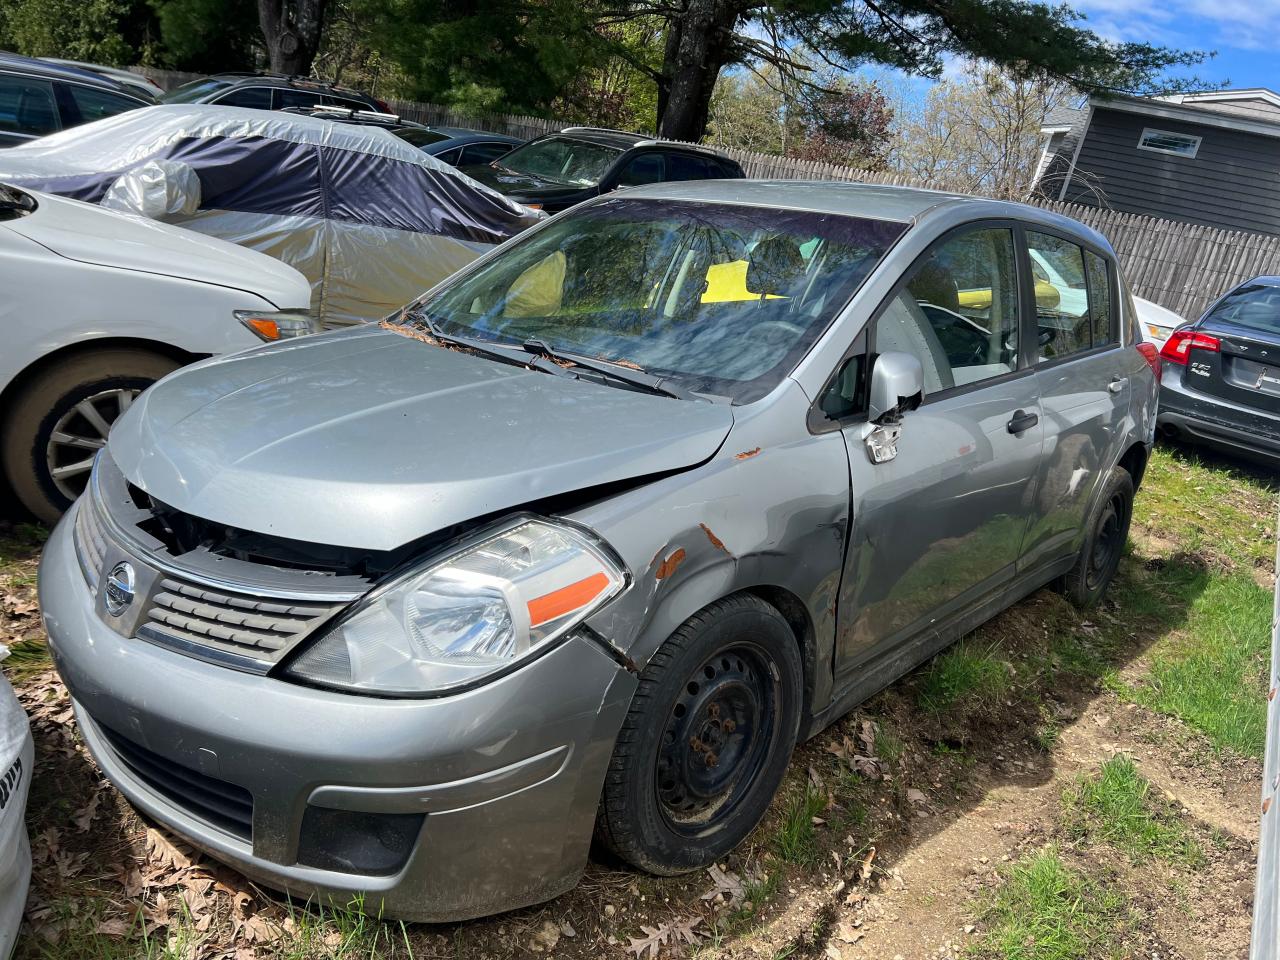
1162,141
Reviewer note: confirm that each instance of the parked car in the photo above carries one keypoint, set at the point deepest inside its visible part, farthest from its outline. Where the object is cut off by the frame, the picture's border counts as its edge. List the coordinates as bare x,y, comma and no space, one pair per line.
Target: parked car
270,91
370,220
133,82
38,98
554,172
17,760
1156,322
581,542
1221,384
456,146
97,307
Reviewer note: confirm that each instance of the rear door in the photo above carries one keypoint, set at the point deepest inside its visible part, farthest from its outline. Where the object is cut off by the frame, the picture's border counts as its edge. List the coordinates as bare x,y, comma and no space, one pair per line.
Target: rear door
1083,375
941,526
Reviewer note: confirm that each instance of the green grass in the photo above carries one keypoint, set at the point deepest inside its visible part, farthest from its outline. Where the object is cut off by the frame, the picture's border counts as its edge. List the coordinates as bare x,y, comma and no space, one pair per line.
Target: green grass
796,840
970,673
1114,806
1212,673
1046,911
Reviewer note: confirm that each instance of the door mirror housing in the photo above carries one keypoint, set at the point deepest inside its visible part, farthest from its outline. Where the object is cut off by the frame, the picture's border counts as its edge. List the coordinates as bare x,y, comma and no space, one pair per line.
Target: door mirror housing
897,385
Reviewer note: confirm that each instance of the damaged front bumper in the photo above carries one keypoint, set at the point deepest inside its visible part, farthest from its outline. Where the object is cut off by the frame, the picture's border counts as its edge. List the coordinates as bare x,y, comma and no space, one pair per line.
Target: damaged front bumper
435,809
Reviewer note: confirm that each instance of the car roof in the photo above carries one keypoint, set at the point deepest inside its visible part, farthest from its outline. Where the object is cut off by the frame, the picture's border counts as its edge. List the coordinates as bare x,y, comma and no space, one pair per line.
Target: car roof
869,200
57,71
622,140
280,80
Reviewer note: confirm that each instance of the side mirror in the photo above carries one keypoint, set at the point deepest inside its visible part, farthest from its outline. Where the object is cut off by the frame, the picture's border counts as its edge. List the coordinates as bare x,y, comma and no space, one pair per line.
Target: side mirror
897,385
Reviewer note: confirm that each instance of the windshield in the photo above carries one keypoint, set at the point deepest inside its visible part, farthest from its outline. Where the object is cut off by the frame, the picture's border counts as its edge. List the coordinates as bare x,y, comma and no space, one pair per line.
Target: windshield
1256,306
561,160
195,90
722,299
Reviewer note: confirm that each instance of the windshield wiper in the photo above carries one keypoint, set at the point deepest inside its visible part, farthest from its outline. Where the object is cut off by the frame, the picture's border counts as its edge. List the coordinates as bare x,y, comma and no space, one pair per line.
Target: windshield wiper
490,348
632,376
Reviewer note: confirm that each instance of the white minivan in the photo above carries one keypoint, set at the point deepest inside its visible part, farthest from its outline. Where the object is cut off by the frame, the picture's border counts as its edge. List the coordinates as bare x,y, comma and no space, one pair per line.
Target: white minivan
98,306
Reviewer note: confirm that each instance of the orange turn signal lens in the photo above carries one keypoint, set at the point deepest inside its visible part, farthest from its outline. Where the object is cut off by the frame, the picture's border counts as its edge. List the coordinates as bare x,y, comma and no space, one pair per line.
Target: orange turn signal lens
575,596
279,325
266,329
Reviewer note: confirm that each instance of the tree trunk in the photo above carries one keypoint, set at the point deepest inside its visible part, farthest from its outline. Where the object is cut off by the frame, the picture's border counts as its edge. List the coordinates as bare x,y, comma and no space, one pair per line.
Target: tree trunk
291,29
699,44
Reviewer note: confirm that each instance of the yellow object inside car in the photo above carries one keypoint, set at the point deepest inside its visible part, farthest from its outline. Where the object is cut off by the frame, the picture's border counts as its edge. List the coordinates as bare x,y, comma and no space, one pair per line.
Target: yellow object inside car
727,283
1047,297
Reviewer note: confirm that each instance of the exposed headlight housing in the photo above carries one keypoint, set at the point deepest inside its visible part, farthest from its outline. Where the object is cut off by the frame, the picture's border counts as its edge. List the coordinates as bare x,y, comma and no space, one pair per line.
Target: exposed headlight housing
278,325
461,618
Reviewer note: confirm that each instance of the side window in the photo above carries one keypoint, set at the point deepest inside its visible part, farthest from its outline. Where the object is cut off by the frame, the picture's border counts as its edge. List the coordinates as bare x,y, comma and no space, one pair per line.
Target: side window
643,168
681,166
958,312
27,105
286,98
1100,300
449,156
479,153
1062,296
257,97
96,104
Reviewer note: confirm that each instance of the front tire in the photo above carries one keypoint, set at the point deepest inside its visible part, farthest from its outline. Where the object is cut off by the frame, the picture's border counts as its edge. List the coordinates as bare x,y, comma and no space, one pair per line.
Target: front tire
61,418
707,740
1104,543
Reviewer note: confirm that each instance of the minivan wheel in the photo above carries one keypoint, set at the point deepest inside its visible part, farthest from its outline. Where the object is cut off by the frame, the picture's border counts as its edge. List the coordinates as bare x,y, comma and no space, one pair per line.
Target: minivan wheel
1104,544
707,739
60,419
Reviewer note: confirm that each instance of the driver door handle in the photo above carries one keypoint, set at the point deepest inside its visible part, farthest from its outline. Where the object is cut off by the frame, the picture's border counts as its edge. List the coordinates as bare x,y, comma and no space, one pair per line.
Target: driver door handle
1117,384
1023,421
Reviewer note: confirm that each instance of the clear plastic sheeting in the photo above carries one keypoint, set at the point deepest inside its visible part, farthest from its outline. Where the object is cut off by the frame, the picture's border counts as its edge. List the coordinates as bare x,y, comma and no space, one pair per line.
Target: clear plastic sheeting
16,761
369,219
157,190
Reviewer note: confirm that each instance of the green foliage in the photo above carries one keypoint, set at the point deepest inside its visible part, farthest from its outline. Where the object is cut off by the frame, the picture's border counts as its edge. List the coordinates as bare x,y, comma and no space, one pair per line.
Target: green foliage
92,30
1046,911
1114,806
188,43
969,673
796,840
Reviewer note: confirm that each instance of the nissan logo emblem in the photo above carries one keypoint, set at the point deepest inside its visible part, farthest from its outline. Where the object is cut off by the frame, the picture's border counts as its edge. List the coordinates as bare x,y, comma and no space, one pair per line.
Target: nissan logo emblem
119,590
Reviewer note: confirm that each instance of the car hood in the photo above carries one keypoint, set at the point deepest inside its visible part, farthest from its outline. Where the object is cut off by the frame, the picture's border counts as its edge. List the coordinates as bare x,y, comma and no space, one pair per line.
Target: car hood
92,234
521,186
369,439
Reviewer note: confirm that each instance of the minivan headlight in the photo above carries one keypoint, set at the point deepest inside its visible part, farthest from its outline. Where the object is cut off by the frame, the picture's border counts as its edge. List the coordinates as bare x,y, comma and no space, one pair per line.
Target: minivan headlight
468,615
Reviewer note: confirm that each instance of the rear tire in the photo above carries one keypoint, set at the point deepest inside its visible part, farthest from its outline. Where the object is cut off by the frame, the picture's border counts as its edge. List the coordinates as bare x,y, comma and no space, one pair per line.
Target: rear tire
707,740
1103,544
55,425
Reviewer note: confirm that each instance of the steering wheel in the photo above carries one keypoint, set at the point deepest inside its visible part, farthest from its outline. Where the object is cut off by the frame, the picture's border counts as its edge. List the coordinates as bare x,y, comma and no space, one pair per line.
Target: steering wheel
775,329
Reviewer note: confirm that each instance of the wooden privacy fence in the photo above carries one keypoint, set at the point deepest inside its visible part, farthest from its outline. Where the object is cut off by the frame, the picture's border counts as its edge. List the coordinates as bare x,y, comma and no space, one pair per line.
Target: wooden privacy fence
1181,266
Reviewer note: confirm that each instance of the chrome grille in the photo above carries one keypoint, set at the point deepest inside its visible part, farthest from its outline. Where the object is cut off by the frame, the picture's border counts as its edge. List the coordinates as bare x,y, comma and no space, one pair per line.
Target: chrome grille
90,541
233,622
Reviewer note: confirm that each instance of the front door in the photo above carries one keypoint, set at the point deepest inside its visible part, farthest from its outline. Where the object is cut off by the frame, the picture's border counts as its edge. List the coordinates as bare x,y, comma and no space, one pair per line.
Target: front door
942,524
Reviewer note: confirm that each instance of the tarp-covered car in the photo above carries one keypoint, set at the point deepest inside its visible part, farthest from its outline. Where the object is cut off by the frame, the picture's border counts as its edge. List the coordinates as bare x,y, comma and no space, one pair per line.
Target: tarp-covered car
369,219
16,761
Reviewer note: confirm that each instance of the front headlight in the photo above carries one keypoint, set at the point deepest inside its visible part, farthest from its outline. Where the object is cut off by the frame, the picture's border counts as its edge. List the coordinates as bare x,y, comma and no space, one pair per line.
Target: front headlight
272,325
468,615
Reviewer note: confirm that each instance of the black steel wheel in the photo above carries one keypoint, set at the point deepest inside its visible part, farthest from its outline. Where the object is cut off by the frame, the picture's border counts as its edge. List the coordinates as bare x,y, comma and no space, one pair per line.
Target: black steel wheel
1104,542
707,739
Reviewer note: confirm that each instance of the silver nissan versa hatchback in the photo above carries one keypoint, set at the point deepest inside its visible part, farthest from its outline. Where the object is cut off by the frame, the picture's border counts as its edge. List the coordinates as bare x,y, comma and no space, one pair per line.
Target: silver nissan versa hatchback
585,540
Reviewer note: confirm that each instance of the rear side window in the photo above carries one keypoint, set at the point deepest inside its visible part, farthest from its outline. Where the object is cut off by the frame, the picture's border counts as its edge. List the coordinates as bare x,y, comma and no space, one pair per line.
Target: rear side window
284,99
644,168
96,104
681,166
958,313
27,105
259,98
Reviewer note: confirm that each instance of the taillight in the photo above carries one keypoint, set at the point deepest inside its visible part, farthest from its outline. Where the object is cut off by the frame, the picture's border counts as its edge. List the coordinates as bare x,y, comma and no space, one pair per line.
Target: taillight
1181,342
382,105
1151,355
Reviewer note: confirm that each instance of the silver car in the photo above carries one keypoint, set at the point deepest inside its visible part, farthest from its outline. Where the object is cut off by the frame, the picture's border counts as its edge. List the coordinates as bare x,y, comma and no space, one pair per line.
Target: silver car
588,538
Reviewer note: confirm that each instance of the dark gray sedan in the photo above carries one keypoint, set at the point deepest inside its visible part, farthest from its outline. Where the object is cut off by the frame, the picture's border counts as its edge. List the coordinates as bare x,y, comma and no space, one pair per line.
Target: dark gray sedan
1221,376
592,535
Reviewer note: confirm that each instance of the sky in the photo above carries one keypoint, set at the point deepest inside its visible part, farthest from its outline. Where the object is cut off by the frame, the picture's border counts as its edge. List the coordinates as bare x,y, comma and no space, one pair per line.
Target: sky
1243,32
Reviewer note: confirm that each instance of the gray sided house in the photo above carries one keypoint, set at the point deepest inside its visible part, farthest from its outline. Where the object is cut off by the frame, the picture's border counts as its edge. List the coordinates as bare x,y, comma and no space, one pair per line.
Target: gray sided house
1206,158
